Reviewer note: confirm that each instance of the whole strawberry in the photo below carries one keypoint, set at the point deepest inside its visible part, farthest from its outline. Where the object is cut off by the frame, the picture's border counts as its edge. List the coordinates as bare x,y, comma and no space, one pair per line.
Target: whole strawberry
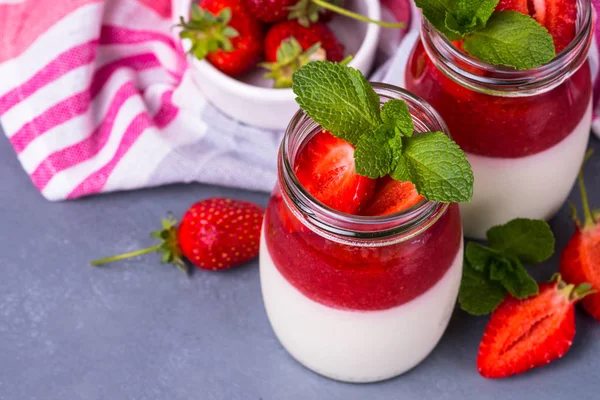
305,11
223,32
214,234
307,37
580,261
529,333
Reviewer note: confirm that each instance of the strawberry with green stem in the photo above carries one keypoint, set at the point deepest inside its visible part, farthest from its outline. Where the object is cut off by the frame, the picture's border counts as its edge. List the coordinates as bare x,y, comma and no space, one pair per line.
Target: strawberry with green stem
214,234
289,46
306,12
532,332
224,33
580,261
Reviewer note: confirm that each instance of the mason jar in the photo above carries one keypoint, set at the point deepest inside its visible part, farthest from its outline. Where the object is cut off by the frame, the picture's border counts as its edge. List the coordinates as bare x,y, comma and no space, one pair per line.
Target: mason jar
355,298
524,132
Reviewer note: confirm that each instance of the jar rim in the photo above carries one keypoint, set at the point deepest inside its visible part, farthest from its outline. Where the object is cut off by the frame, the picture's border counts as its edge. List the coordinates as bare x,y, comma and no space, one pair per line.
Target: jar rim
348,228
487,78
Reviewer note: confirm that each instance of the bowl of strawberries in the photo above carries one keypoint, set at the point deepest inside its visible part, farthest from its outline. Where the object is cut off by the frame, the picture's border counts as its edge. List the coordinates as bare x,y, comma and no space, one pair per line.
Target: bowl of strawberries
243,53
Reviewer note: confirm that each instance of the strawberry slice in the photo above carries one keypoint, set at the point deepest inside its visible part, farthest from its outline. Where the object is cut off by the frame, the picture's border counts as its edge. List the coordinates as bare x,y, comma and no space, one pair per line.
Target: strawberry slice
392,196
513,5
580,261
325,167
524,334
558,16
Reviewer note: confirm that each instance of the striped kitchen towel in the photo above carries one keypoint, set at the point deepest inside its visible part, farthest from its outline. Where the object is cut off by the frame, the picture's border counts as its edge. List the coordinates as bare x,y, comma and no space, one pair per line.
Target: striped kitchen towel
94,97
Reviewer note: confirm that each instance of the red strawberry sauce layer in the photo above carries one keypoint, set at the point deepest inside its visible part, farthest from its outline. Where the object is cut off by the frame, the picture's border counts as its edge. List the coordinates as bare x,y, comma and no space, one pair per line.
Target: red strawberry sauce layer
359,278
496,126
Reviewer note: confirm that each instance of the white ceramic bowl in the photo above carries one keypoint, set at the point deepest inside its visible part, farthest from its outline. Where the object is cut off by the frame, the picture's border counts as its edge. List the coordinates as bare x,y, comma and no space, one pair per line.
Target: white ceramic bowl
250,99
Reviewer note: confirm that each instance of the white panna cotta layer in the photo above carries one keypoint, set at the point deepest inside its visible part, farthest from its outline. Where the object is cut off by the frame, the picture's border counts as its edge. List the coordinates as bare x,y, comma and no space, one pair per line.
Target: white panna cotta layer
357,346
534,186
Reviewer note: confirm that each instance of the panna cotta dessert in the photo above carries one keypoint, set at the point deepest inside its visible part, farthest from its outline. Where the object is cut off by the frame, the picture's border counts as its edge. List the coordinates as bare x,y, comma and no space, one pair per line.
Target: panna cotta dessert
524,131
359,275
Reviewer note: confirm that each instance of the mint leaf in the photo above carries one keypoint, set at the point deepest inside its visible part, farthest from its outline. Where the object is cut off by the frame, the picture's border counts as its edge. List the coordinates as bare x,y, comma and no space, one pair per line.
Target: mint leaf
395,112
518,282
435,11
337,97
530,241
437,166
480,257
478,294
474,14
512,39
376,152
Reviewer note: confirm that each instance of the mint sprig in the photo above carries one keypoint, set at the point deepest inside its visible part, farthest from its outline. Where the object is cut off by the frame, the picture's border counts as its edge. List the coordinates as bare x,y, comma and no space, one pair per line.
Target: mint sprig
504,38
343,102
489,273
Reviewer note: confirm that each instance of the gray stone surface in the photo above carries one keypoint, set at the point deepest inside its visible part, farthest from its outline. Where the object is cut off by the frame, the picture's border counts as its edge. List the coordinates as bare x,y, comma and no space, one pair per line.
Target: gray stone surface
142,330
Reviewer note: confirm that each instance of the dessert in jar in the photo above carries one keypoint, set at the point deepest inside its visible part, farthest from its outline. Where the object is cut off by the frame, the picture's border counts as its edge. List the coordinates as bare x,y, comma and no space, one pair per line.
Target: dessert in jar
524,131
362,288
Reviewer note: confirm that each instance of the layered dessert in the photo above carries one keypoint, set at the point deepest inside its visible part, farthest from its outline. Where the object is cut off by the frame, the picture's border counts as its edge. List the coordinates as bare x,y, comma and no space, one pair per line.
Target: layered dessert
525,146
358,311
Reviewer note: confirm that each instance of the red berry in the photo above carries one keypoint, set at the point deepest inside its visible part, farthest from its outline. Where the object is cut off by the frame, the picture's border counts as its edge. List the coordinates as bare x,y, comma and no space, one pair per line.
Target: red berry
270,10
580,261
391,196
304,11
220,233
214,234
325,167
524,334
233,55
315,33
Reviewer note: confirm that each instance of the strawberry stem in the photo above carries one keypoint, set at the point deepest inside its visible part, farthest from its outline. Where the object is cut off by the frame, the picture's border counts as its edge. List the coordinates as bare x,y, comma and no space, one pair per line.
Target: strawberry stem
124,256
587,212
358,17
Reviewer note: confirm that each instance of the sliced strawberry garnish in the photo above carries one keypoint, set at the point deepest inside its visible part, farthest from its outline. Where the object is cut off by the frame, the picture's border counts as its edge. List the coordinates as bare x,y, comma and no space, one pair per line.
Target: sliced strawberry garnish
523,334
558,16
325,167
513,5
392,196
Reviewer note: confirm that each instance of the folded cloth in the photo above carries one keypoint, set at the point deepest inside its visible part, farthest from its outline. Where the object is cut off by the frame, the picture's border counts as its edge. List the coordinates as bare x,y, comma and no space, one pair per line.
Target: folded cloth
94,97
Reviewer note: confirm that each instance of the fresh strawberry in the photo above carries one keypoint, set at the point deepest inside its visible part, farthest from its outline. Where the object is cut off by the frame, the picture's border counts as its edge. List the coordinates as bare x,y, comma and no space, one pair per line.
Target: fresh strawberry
392,196
325,167
558,16
524,334
214,234
270,10
513,5
305,11
223,32
580,261
331,48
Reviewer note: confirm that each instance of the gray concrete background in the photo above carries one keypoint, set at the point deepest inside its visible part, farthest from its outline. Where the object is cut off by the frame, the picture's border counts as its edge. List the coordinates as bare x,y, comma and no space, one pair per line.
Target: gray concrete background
142,330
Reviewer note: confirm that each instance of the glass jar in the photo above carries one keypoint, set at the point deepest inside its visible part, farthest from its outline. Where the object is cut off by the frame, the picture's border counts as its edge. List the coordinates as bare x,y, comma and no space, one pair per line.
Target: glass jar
355,298
524,132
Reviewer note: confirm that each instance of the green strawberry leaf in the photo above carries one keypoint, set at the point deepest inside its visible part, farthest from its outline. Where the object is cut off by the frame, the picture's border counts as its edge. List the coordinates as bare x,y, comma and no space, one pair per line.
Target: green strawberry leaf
337,97
437,166
530,241
511,39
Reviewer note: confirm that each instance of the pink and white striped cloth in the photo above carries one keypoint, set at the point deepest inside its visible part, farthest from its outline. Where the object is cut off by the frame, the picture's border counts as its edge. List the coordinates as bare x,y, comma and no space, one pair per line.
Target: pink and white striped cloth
94,97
